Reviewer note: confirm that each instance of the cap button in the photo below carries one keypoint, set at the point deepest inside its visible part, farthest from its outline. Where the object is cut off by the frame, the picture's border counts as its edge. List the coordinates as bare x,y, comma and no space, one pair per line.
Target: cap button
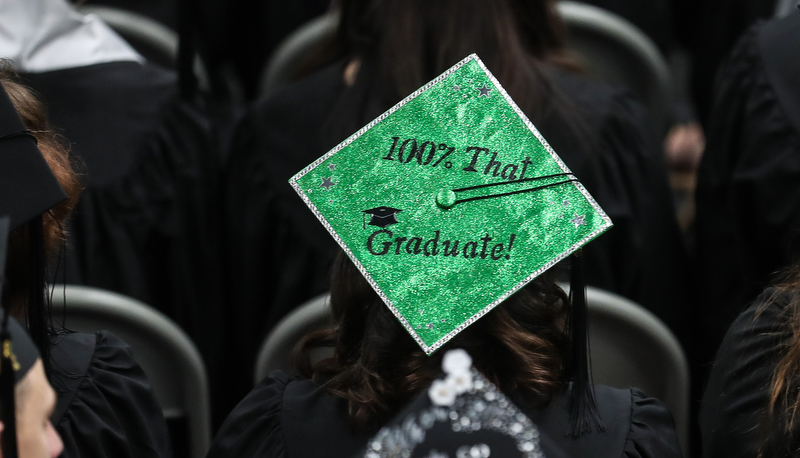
445,198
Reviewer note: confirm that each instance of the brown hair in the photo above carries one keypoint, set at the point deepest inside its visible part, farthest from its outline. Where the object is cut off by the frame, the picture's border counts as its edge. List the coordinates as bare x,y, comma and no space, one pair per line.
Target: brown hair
55,152
377,367
779,428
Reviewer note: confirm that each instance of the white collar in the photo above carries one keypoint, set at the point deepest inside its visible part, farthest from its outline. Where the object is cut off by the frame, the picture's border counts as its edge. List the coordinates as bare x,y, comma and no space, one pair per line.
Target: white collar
44,35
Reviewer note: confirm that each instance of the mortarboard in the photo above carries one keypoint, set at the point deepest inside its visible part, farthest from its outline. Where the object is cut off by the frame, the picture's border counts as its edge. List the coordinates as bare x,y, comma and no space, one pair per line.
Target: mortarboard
17,355
28,187
461,415
486,204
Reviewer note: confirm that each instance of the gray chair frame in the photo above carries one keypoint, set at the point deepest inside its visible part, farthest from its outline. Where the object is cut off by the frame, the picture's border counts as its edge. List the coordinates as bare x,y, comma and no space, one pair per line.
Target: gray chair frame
168,356
275,351
611,48
293,51
629,347
614,50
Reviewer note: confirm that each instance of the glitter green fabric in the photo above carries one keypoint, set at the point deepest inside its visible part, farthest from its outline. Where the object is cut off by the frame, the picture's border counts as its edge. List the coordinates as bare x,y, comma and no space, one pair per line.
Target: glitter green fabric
450,202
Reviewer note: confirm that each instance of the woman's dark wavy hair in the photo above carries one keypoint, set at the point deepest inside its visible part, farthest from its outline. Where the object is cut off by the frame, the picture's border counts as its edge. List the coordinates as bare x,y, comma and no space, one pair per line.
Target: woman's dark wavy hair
377,367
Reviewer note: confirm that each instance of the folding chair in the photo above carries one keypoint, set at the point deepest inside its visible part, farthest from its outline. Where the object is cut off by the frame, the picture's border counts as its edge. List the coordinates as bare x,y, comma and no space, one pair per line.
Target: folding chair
614,50
167,355
630,347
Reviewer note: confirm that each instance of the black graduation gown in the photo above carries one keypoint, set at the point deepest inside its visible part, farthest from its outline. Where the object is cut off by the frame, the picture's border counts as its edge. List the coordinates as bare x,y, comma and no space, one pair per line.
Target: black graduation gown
281,253
106,113
738,389
711,29
105,402
285,417
148,222
748,197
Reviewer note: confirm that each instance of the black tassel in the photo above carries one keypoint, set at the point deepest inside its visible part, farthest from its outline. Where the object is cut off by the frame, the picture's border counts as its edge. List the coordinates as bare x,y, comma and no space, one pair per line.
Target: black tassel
38,310
187,33
584,416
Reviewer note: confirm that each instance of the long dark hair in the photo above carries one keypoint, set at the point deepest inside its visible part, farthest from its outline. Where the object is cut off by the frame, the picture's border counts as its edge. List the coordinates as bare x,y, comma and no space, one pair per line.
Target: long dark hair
377,367
402,44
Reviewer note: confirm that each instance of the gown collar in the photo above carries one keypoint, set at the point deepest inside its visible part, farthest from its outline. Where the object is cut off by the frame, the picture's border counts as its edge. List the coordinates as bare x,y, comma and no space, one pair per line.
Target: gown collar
45,35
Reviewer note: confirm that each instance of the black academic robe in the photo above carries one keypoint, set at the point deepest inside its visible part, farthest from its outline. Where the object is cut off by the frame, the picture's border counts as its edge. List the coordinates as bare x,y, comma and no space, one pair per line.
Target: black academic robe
737,394
711,29
148,221
281,254
748,196
106,113
106,405
284,417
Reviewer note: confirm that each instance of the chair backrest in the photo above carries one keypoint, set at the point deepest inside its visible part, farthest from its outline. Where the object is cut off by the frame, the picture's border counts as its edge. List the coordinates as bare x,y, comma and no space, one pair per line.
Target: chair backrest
275,352
614,50
167,355
295,50
630,347
611,48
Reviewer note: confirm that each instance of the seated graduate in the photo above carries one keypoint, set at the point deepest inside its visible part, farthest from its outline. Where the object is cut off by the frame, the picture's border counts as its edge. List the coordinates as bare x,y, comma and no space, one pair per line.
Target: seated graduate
26,397
149,163
438,254
751,404
105,403
384,50
748,198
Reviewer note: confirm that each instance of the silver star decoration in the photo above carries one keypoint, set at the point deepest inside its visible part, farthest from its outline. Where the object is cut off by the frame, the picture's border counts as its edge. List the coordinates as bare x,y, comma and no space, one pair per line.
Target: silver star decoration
332,167
430,326
456,88
565,203
328,183
484,91
578,220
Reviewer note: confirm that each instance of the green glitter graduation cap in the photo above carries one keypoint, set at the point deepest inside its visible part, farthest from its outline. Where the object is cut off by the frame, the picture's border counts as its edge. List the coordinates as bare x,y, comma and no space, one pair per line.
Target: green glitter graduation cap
450,202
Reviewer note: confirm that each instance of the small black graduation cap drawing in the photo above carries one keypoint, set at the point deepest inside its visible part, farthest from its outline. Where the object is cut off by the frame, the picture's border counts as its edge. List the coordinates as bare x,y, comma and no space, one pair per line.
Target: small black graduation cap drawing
382,216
